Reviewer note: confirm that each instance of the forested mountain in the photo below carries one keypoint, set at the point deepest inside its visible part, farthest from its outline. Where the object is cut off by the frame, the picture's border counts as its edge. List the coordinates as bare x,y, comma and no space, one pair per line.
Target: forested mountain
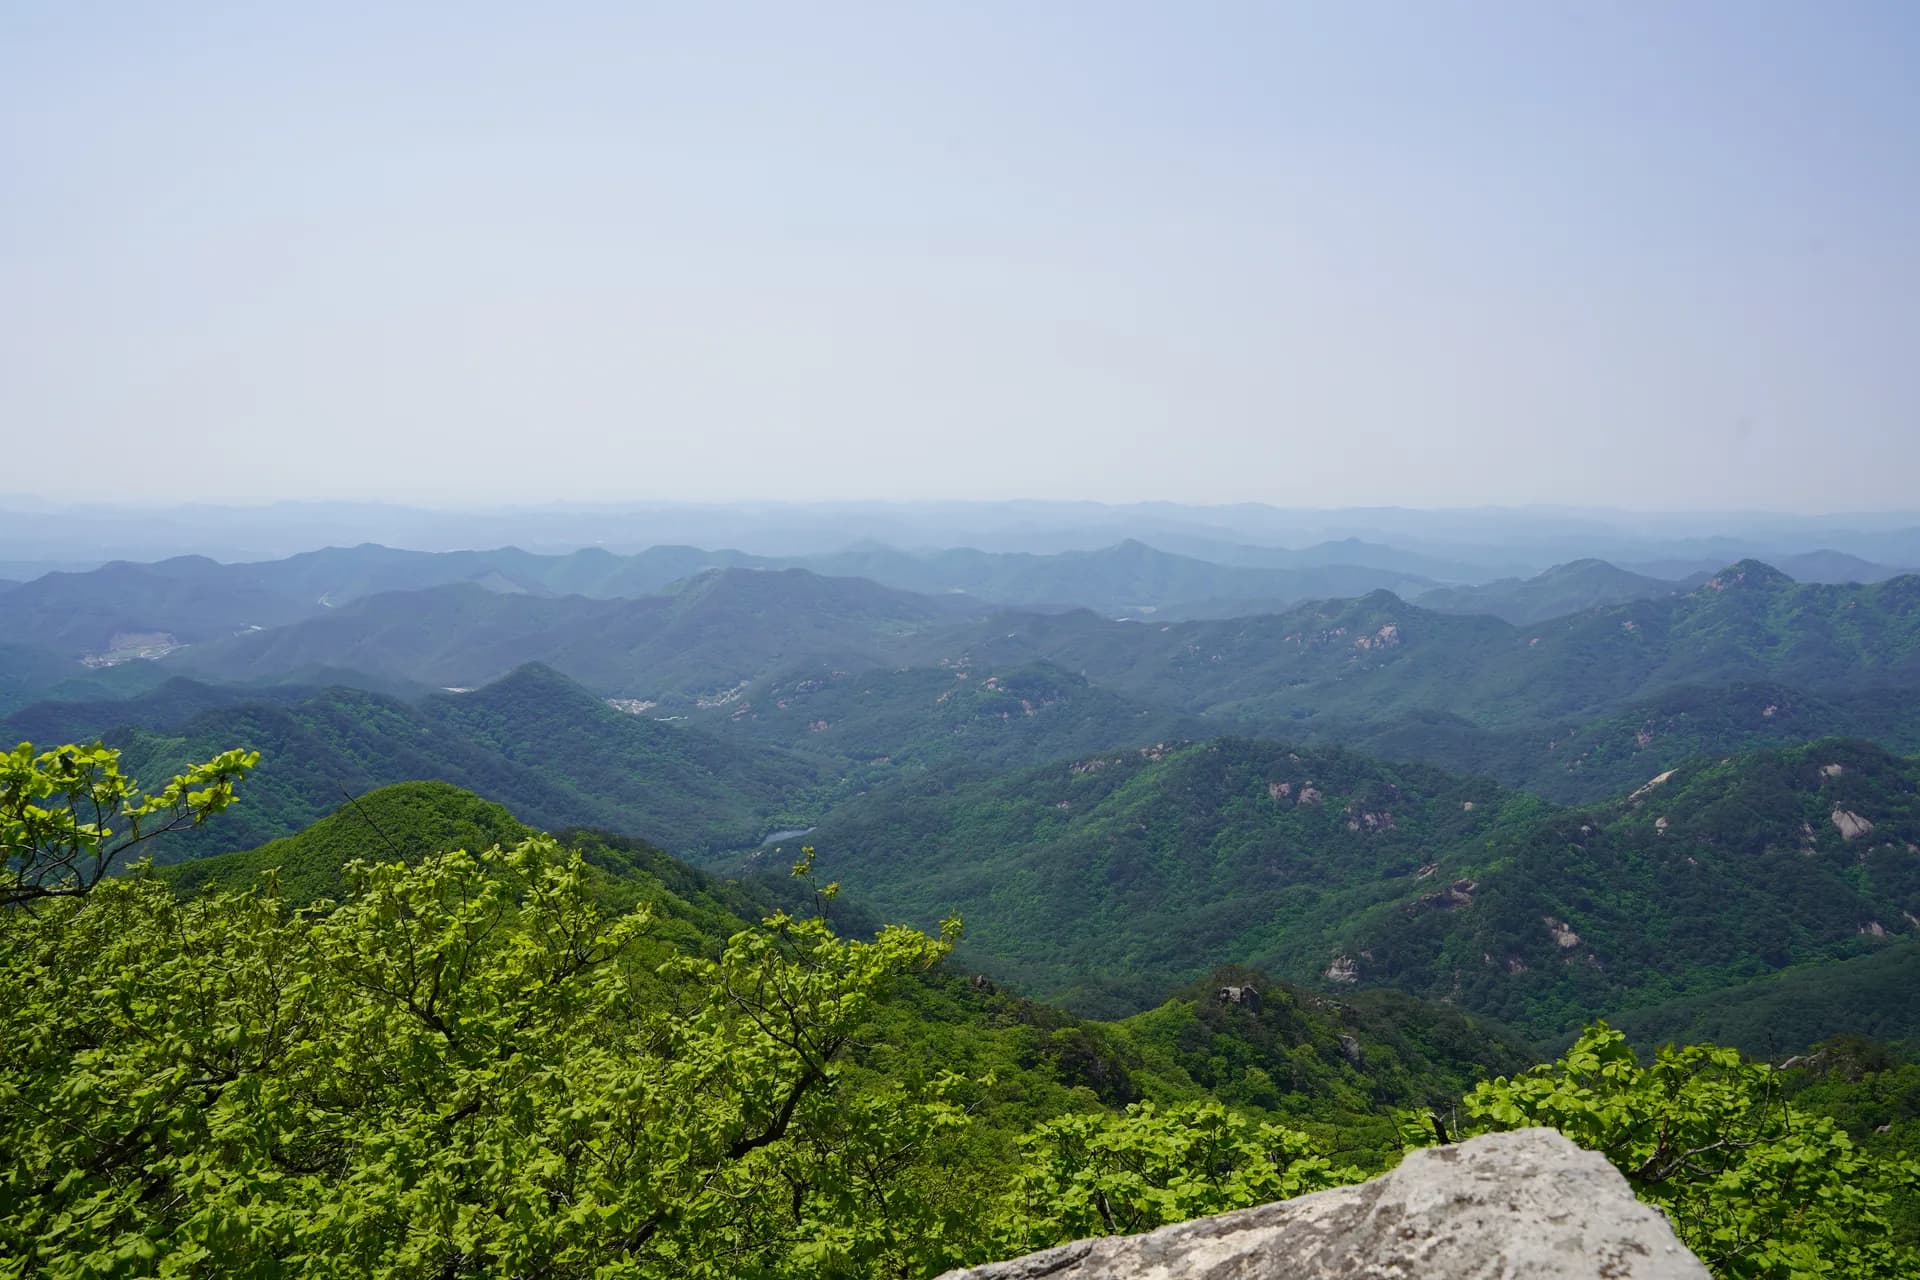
407,821
563,757
1130,577
29,675
893,718
1576,708
1293,1053
1466,690
918,1118
1379,656
192,600
176,699
717,631
1436,566
1285,1055
1102,880
1803,566
1561,590
1775,1016
1575,759
917,717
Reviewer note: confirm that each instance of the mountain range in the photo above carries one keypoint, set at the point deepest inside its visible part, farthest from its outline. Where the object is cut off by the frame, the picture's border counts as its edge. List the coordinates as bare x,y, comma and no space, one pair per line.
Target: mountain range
1115,804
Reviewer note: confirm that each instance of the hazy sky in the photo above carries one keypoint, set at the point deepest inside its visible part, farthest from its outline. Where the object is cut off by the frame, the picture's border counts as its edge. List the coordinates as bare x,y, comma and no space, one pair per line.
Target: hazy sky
1650,253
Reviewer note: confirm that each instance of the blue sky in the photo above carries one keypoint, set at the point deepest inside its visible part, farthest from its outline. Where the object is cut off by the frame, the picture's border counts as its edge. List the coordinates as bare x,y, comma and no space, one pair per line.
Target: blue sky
1437,254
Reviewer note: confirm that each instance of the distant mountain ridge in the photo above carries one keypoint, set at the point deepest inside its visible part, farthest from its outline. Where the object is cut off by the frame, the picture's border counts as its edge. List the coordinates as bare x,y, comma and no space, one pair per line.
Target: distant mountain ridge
719,629
1490,542
194,599
1570,705
1564,589
1380,656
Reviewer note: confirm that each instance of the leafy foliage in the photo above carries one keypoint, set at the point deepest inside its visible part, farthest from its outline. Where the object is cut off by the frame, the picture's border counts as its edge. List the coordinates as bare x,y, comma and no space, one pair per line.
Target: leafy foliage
1755,1187
66,816
464,1068
518,1061
1096,1174
407,822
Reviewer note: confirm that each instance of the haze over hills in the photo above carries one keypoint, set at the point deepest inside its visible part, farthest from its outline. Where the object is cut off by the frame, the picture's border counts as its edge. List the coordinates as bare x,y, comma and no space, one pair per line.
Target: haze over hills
1464,544
1561,590
194,599
1551,705
718,630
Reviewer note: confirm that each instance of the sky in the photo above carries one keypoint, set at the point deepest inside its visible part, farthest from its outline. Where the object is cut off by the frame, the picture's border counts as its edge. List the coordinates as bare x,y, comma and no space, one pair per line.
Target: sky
1434,254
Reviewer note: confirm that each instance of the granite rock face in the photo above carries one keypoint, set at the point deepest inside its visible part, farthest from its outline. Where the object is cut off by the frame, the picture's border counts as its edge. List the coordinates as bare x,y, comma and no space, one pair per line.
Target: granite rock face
1507,1206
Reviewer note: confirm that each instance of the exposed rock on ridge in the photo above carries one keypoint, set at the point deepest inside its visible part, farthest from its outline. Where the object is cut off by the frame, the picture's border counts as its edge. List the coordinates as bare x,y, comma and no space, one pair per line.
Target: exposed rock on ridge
1507,1206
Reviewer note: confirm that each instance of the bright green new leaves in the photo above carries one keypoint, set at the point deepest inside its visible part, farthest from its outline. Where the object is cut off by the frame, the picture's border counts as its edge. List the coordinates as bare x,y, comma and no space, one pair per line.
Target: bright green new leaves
67,815
1755,1187
1095,1174
471,1067
462,1069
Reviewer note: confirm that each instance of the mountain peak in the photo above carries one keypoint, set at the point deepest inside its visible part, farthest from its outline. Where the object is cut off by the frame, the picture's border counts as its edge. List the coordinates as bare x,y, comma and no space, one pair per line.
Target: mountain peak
535,680
1746,573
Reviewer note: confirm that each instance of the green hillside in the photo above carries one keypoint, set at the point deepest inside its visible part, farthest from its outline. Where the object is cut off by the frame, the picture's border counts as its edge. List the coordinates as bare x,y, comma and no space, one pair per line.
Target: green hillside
29,675
1576,761
557,754
406,822
190,599
1378,657
1103,880
1876,994
880,721
415,974
174,701
1339,1066
1296,1053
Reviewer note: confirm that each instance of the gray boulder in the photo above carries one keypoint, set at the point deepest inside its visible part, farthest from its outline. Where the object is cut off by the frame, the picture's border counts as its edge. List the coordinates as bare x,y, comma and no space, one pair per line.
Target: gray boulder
1527,1205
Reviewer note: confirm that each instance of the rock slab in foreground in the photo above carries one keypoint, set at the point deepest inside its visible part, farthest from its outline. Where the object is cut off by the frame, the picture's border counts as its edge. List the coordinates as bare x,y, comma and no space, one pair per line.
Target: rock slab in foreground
1507,1206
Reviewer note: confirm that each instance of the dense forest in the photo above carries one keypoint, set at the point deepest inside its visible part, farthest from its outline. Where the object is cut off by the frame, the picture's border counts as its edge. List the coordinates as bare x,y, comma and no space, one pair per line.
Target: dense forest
528,1058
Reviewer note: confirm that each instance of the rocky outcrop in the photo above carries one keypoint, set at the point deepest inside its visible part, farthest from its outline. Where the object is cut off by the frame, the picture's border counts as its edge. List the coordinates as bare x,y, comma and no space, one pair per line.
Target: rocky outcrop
1851,825
1563,935
1505,1206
